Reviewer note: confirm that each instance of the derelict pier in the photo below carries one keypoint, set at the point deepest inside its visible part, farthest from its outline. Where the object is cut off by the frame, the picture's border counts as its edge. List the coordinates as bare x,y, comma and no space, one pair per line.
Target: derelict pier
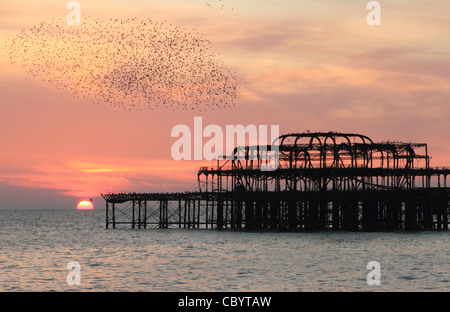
322,181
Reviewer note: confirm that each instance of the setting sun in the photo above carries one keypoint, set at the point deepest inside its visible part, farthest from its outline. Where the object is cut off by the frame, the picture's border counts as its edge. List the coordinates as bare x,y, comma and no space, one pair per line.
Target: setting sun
85,205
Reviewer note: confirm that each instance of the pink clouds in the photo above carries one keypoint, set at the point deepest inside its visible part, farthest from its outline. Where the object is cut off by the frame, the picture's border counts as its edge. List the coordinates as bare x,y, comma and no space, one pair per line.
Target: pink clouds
90,179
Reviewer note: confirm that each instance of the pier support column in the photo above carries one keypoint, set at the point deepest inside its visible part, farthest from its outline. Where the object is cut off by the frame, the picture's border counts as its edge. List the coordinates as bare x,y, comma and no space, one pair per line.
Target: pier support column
346,214
258,215
274,213
220,213
265,214
107,217
145,214
132,216
188,208
161,214
335,216
114,215
370,215
427,216
354,215
139,215
232,213
393,216
313,215
238,214
179,213
440,207
323,215
292,215
438,213
206,212
249,215
193,214
198,214
411,215
445,213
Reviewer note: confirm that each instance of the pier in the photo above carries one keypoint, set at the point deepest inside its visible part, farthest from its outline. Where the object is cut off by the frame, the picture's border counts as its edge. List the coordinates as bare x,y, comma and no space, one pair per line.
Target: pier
323,181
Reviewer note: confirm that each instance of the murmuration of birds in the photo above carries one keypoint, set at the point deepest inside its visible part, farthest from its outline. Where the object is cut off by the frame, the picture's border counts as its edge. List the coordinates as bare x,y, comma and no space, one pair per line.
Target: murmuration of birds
129,63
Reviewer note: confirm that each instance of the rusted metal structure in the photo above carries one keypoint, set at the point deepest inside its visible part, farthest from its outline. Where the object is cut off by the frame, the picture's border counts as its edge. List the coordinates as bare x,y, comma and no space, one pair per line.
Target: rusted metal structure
323,181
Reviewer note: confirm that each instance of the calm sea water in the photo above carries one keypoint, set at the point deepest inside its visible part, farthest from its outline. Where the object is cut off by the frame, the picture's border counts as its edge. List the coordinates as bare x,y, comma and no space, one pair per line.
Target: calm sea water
36,245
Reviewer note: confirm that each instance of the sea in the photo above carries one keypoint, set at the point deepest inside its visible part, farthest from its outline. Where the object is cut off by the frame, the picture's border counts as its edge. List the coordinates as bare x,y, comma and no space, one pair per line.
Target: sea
37,246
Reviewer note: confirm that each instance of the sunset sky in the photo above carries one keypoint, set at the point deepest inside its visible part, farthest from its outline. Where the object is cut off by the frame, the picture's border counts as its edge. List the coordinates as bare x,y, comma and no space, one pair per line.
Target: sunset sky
301,64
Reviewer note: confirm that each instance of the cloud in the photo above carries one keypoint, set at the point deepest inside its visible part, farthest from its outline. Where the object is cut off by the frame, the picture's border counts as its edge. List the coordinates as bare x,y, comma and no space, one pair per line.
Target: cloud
20,197
407,61
87,179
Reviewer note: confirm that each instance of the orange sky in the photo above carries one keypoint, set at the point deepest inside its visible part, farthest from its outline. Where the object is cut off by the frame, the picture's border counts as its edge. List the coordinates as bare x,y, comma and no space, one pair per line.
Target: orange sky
304,65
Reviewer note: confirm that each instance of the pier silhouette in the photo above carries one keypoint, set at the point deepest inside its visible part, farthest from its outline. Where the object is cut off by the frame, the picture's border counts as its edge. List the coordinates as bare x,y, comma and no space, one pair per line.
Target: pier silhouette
323,181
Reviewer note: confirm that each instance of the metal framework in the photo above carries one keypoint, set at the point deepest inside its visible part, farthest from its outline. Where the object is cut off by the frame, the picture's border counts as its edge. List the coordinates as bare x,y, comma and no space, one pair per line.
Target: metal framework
323,181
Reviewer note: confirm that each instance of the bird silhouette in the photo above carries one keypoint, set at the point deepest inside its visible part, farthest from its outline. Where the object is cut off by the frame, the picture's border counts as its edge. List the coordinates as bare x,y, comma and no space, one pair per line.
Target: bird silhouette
216,4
